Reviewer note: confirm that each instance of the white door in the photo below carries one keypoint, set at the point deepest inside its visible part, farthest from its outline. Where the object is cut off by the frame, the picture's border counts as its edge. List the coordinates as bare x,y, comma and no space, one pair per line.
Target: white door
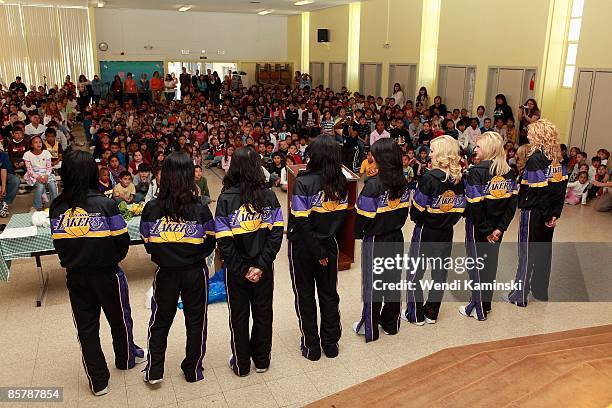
317,74
337,76
600,114
455,87
510,83
403,75
370,79
581,108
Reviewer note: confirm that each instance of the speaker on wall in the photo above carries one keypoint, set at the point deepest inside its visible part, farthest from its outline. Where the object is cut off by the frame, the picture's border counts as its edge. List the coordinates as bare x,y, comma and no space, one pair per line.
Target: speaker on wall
323,35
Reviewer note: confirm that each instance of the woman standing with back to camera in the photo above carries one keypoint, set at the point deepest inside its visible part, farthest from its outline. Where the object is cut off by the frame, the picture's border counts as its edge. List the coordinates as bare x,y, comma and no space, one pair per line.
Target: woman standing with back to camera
437,206
490,191
318,206
541,196
178,232
91,238
249,230
382,209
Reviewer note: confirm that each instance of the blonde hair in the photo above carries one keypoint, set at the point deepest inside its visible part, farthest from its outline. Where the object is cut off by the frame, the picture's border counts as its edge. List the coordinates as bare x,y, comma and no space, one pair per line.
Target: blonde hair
542,136
522,154
447,157
491,147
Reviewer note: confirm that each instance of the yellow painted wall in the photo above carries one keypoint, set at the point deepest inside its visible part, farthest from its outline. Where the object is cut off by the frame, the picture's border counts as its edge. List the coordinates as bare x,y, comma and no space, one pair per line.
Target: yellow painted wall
336,20
294,40
592,53
596,32
486,33
404,34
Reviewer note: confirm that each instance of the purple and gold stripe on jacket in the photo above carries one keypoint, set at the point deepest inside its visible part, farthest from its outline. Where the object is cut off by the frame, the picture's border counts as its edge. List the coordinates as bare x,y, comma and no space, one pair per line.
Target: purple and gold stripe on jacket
81,224
242,221
302,206
554,173
370,206
446,202
497,188
164,230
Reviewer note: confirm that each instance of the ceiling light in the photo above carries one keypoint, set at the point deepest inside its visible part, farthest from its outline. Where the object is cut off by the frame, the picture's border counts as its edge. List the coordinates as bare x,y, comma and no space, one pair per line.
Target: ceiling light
101,3
265,12
303,2
185,8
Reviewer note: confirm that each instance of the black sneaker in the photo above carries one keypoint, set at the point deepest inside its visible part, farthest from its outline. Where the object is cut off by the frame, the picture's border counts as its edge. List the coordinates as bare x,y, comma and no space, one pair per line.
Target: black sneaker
331,350
312,355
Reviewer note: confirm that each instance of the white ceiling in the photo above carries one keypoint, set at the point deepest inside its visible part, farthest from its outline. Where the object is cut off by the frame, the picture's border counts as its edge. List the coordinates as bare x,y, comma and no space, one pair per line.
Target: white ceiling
280,7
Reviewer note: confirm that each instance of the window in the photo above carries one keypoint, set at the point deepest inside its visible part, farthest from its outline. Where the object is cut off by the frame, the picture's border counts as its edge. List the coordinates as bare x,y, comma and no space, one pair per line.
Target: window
573,35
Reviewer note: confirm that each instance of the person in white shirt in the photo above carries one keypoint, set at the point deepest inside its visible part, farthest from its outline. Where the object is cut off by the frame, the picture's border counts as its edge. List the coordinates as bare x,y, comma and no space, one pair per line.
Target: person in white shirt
379,132
398,95
480,114
577,190
473,132
35,128
28,106
464,138
39,173
284,181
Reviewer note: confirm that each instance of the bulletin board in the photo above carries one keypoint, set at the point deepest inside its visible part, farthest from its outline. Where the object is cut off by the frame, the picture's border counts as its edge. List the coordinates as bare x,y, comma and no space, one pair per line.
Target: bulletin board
108,69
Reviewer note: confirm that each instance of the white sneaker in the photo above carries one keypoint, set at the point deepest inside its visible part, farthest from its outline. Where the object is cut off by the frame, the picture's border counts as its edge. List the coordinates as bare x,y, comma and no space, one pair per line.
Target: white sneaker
260,370
403,315
464,312
429,321
153,382
140,360
101,392
361,330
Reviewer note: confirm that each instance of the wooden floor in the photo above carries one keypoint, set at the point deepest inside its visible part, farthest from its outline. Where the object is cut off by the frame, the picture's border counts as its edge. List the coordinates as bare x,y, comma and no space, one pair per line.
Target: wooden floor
570,369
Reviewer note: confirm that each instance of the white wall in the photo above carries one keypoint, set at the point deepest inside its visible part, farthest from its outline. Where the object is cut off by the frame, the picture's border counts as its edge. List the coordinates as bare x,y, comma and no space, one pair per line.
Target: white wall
244,37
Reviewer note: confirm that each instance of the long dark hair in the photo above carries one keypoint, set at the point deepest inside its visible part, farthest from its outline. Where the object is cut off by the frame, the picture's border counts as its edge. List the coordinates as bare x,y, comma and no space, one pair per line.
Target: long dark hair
325,158
503,98
388,158
535,105
245,171
177,188
79,175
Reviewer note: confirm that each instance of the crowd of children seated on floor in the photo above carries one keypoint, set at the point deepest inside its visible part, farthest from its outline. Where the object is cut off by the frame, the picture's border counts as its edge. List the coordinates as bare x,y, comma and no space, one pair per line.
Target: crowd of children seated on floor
130,137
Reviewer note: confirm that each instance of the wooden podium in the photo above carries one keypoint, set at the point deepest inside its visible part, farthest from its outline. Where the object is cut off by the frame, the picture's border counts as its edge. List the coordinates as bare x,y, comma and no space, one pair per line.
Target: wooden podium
346,235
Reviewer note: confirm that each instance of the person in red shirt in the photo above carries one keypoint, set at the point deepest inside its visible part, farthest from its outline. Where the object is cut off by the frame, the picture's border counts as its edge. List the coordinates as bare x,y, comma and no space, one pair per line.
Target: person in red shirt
131,89
293,152
157,86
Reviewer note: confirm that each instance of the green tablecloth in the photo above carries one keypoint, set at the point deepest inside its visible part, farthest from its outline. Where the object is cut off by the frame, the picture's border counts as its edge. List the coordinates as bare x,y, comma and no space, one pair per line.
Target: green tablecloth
22,248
